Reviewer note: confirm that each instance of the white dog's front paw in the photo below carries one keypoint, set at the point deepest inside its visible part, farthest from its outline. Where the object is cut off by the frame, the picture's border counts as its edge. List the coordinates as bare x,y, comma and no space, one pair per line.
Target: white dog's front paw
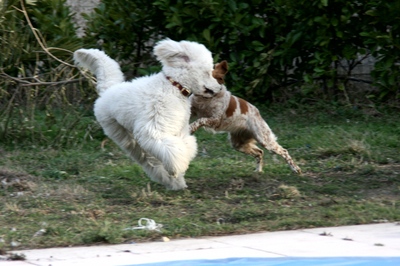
176,169
171,172
177,183
174,175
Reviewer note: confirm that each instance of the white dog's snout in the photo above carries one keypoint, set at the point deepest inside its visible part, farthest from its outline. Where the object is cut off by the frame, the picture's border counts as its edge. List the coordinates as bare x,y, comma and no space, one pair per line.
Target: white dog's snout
211,91
208,91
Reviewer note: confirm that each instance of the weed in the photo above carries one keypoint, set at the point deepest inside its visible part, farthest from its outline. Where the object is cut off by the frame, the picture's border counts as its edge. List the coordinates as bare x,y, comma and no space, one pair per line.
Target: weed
288,192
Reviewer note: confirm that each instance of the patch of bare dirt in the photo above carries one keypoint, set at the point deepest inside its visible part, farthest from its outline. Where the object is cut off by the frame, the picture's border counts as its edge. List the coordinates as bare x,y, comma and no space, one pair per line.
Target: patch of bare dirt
17,180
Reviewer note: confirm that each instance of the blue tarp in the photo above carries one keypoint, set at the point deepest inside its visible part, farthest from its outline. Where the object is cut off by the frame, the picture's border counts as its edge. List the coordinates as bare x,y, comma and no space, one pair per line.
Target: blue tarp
334,261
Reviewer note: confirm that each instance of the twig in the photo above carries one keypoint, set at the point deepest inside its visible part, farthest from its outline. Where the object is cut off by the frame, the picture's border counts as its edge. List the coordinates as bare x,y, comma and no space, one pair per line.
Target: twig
25,83
359,80
19,80
53,83
350,78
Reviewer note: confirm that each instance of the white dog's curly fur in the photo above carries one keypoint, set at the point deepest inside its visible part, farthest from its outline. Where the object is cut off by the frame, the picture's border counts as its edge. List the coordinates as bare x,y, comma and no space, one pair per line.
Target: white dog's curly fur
148,117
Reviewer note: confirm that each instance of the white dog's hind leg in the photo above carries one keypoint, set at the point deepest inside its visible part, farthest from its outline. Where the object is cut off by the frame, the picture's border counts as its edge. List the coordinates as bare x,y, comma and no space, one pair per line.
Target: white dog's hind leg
174,152
158,174
153,167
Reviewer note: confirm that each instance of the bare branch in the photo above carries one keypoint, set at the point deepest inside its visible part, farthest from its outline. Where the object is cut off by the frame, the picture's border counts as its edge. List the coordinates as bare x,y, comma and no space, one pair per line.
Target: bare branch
53,83
25,83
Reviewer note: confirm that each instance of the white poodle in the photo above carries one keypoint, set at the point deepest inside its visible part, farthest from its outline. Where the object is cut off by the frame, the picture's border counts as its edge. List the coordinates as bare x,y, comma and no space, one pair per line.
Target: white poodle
148,117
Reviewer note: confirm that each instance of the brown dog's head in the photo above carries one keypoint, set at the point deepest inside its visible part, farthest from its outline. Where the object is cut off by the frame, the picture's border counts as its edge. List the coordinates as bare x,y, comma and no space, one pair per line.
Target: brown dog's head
219,71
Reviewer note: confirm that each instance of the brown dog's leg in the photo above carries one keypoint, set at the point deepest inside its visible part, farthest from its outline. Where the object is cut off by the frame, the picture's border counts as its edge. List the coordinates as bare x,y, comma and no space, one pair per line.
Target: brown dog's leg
264,136
210,122
245,143
274,146
278,149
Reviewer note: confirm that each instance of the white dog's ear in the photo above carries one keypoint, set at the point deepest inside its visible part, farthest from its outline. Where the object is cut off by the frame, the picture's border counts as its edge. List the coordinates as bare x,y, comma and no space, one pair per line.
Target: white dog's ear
171,53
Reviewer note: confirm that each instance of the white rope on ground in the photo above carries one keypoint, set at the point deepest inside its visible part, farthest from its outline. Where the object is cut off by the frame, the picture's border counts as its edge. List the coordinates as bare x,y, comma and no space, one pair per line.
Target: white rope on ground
149,225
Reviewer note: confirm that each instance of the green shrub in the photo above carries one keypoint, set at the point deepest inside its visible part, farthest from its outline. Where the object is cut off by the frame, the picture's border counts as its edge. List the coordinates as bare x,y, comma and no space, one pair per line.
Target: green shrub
270,45
383,40
39,94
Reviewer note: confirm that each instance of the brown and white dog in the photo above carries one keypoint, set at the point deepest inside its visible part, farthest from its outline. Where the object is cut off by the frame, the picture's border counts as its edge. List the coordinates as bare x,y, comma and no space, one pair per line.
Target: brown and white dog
242,120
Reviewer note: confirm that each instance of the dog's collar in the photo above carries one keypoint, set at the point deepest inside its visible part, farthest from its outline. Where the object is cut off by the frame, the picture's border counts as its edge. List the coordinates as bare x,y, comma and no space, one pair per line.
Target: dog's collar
185,92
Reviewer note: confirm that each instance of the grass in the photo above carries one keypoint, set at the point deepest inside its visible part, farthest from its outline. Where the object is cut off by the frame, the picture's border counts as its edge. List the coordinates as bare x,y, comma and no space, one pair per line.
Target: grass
82,194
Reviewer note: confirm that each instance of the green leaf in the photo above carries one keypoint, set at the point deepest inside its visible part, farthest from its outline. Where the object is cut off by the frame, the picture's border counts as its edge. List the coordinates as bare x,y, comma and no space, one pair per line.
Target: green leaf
319,19
392,80
232,5
170,25
257,43
206,34
296,37
371,12
389,63
31,2
278,52
383,37
334,22
307,78
319,70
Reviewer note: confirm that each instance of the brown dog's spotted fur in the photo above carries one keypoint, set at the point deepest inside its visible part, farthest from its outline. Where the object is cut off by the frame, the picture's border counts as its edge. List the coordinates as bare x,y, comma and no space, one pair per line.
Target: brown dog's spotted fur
242,120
